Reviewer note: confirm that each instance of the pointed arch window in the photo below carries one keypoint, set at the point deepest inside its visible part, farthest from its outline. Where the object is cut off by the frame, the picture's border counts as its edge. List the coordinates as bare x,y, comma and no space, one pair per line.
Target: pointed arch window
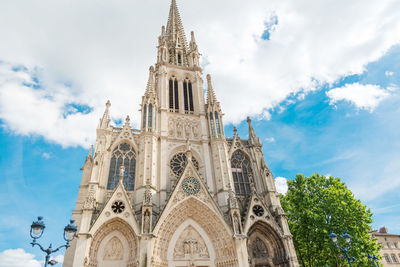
217,123
144,115
212,124
179,58
173,95
188,96
241,169
150,123
122,155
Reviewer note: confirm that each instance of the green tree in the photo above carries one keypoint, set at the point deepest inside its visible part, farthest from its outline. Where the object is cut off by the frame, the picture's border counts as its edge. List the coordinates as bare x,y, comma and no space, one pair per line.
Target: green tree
317,205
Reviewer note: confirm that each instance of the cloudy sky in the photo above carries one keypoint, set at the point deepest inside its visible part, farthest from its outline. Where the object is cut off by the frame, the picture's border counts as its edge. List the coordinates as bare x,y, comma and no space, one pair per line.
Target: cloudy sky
319,78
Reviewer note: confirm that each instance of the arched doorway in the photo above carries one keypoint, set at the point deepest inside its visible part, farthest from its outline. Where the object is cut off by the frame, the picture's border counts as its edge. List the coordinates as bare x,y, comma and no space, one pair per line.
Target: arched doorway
114,245
265,247
188,225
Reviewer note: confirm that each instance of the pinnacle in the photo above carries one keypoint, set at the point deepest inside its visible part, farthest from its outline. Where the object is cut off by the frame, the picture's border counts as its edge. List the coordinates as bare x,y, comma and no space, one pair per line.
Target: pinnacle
174,25
150,83
211,97
105,120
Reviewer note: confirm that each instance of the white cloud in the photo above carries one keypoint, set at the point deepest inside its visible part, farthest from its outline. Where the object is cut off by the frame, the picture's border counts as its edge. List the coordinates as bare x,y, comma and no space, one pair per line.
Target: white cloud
18,258
269,139
93,52
281,185
389,73
59,258
363,96
46,155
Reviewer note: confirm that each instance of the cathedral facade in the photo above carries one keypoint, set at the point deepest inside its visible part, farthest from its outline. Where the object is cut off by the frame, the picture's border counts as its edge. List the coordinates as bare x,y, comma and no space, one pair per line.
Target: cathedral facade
177,192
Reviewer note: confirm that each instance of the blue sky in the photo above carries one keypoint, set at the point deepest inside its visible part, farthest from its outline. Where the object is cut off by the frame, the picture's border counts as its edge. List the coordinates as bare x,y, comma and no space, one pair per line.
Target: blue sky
323,94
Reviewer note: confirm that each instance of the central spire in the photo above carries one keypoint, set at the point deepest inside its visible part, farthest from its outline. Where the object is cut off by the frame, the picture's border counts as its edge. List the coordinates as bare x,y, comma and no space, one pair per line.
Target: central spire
175,29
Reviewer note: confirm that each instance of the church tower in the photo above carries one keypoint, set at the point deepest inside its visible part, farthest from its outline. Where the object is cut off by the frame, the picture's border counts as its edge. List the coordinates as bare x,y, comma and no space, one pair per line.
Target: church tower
177,191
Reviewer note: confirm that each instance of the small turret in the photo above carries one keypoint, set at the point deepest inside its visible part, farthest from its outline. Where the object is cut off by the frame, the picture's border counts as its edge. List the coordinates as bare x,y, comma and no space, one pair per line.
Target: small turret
149,104
253,139
105,120
194,54
214,112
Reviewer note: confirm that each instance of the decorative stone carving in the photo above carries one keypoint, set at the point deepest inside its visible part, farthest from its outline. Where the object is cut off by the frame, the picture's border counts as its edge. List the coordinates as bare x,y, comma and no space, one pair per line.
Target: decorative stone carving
190,245
259,249
113,250
147,198
114,225
90,201
183,127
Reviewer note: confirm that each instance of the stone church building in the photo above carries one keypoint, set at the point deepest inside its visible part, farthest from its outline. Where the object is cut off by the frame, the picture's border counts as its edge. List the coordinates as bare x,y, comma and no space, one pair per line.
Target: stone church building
177,191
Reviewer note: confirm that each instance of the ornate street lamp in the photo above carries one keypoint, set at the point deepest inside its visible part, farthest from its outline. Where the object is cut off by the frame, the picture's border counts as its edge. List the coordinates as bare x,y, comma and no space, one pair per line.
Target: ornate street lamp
345,250
37,229
374,260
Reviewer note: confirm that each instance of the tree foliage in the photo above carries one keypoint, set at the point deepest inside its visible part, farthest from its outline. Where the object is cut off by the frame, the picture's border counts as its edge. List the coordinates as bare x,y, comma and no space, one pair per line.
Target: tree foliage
317,205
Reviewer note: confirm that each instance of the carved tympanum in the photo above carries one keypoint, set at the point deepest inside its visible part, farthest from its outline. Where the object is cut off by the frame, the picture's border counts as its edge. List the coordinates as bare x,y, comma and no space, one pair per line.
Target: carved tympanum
113,250
190,244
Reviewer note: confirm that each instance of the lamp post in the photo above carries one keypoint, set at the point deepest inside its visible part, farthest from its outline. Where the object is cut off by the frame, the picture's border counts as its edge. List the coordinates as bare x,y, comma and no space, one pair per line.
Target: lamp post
345,250
374,260
37,229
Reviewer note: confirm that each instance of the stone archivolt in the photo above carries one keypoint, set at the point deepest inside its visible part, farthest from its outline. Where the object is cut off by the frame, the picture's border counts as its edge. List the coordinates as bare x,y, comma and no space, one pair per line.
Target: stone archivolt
119,225
209,221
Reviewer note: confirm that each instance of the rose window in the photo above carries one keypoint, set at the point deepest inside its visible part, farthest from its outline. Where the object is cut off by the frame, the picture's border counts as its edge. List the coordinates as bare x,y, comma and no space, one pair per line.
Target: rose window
258,210
179,162
118,207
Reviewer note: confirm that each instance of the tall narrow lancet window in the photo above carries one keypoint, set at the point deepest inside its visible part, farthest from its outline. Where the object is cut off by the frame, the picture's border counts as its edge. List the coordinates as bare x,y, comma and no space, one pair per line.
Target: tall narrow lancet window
217,123
240,171
179,59
144,115
123,155
173,95
188,96
212,124
150,120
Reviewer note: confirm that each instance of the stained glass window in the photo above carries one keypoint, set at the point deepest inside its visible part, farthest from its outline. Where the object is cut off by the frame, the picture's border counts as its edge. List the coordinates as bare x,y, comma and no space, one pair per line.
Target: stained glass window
150,123
240,171
123,155
178,164
217,123
212,124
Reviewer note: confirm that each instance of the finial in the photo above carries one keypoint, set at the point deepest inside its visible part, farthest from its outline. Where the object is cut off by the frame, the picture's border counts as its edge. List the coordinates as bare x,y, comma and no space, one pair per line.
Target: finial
208,78
108,104
91,152
162,30
151,69
127,119
192,36
248,120
234,130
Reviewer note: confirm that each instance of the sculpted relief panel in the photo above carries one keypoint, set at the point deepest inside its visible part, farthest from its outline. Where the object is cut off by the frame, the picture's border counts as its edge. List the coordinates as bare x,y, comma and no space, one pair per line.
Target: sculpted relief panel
181,127
190,245
113,250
